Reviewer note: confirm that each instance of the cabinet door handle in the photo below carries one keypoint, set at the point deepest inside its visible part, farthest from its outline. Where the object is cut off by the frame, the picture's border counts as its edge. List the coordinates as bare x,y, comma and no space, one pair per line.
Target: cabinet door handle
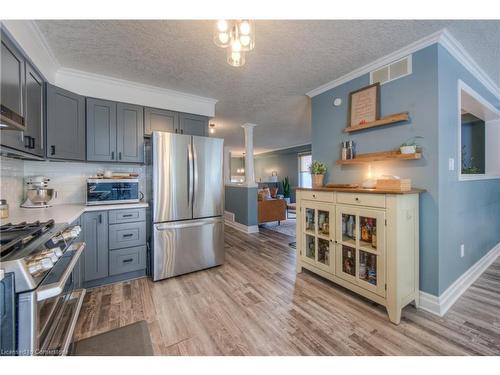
120,155
127,215
182,131
357,199
176,130
112,155
100,218
128,235
27,141
32,142
128,260
53,150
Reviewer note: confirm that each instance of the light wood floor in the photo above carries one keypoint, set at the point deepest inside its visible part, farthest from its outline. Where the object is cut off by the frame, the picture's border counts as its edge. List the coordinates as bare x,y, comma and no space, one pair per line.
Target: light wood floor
256,305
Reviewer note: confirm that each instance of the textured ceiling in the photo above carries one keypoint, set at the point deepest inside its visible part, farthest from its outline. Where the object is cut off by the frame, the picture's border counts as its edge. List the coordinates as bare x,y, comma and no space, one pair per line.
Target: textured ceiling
290,59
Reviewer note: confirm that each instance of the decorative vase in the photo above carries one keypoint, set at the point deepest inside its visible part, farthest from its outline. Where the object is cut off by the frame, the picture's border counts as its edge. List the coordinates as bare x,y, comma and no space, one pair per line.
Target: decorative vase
408,149
317,180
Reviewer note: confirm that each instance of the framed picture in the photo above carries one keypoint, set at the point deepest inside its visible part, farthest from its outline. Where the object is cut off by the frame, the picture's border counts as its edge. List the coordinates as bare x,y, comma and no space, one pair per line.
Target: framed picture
364,105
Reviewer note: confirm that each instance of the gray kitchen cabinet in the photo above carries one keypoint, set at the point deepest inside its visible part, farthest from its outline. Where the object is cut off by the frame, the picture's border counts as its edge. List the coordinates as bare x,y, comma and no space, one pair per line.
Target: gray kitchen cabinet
95,233
34,112
12,79
130,133
160,120
101,130
193,124
65,124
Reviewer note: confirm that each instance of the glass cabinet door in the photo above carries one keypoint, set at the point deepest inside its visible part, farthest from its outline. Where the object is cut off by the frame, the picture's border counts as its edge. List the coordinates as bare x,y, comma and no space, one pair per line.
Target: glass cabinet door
360,249
317,235
371,250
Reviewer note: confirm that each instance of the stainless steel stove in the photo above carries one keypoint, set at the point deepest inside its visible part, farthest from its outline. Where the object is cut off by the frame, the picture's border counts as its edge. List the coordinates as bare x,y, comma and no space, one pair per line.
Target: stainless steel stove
40,258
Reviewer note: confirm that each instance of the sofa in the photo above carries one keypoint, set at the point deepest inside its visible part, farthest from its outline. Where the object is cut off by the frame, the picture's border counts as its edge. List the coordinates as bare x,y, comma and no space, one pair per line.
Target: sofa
270,209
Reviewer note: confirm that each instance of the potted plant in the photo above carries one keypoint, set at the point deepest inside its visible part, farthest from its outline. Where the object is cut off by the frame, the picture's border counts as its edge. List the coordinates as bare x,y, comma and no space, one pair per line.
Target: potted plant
318,170
286,190
410,145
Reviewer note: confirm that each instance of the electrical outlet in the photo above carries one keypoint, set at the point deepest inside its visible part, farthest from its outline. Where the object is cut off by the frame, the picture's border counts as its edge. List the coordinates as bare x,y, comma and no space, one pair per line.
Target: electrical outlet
462,250
451,164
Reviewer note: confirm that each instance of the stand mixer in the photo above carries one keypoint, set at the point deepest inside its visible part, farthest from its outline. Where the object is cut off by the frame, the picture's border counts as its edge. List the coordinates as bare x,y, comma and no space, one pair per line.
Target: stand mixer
38,195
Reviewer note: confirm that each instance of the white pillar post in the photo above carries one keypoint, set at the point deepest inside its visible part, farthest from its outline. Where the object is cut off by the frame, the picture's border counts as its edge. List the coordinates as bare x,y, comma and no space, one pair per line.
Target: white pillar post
227,165
249,168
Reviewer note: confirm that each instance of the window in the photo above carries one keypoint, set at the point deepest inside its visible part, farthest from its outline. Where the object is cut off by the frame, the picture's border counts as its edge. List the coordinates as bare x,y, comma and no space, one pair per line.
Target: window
479,136
305,161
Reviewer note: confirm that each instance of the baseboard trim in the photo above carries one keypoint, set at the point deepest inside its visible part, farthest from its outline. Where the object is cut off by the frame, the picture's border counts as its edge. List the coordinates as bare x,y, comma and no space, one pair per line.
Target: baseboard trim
242,227
440,305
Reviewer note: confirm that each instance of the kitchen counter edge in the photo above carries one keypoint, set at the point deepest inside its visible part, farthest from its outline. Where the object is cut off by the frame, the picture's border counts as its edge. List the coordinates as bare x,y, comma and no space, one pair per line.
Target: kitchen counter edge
63,213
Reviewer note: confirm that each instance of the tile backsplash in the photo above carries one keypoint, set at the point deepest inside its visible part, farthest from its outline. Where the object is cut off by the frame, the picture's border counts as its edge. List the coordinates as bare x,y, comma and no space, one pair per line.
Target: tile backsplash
11,180
67,178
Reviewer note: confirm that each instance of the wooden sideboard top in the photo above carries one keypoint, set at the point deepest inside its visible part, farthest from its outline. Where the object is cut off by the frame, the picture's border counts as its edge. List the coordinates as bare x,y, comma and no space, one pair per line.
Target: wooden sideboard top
362,190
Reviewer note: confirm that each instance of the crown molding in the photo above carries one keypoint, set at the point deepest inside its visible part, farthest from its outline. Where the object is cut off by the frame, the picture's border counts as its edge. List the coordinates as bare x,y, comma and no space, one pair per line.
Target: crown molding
457,50
442,37
100,86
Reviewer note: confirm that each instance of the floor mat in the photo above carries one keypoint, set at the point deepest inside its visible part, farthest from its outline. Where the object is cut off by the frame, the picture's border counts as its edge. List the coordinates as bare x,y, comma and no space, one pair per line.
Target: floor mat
131,340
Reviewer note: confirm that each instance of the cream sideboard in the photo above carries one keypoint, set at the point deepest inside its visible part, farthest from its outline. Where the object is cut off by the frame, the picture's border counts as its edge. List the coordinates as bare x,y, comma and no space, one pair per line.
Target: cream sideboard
365,240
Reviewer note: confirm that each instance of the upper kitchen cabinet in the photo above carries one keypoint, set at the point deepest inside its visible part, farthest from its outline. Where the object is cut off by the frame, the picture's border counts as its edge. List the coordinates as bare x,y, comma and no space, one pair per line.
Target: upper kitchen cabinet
34,112
65,124
130,133
12,85
193,124
115,131
160,120
101,130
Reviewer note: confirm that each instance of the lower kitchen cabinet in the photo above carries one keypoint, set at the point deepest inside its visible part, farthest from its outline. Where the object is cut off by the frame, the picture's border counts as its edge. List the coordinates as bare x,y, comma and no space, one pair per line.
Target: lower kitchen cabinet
115,245
95,233
368,243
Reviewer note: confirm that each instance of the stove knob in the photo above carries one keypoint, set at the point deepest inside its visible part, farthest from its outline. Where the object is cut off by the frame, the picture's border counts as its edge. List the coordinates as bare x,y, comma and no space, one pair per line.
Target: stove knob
46,263
34,267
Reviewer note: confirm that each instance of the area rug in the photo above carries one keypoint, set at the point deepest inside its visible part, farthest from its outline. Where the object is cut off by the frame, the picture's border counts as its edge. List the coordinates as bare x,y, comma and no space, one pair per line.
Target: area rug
131,340
286,227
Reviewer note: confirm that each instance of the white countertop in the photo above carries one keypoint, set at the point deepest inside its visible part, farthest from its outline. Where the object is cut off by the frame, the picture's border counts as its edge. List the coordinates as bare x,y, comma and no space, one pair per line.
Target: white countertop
62,213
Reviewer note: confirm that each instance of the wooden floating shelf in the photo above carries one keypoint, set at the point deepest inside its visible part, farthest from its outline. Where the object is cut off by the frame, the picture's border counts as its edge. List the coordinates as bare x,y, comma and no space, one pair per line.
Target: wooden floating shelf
380,156
387,120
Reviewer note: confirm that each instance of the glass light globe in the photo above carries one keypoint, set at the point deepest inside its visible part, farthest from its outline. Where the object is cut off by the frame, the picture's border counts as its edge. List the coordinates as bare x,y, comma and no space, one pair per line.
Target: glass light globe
236,45
222,25
223,38
245,40
245,28
235,58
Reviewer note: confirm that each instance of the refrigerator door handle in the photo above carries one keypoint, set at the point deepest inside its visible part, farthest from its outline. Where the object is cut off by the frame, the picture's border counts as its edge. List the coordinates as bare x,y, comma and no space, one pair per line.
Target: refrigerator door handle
190,224
195,173
190,173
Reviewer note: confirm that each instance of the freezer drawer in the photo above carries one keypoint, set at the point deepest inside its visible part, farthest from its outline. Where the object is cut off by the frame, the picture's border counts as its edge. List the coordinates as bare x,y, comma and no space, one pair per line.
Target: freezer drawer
187,246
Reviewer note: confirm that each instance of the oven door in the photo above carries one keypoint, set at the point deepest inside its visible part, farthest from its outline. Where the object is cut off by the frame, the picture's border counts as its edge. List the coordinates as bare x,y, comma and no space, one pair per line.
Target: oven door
48,315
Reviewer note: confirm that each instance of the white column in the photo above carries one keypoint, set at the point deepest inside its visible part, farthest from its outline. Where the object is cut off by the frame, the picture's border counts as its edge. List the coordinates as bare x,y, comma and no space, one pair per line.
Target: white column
249,169
227,165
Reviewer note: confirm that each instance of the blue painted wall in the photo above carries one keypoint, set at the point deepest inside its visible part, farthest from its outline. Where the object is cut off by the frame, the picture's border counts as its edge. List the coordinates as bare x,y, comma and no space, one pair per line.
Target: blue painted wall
470,210
451,212
416,93
242,201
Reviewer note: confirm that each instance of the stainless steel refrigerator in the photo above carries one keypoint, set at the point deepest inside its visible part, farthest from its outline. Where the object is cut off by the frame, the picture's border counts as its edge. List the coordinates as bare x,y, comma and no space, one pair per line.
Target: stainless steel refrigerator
188,196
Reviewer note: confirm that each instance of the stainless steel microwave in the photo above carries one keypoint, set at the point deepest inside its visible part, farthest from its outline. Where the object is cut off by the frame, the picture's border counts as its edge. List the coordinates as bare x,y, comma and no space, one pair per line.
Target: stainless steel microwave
108,191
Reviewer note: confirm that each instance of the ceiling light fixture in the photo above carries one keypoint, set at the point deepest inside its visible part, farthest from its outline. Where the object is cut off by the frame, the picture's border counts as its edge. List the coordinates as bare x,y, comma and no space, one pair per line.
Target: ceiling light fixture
238,36
211,128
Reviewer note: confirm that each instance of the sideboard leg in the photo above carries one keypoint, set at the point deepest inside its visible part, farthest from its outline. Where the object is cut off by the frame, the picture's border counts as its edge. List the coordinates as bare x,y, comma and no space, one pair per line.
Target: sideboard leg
394,314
